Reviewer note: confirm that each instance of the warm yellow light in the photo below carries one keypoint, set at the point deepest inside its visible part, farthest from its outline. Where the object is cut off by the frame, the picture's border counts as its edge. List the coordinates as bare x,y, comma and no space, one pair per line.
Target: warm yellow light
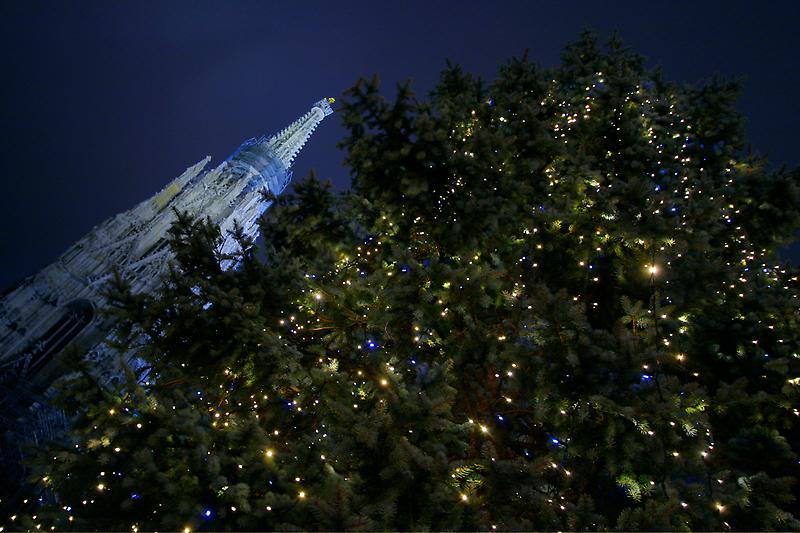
302,494
464,497
270,453
100,486
653,269
484,429
720,507
384,382
186,530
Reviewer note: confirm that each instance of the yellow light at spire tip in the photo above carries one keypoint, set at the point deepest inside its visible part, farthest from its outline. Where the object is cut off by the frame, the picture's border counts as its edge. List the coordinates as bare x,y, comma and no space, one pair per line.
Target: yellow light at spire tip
331,100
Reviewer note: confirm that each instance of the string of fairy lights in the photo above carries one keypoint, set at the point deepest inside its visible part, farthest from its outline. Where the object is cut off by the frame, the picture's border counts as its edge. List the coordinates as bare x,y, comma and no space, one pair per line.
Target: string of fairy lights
677,178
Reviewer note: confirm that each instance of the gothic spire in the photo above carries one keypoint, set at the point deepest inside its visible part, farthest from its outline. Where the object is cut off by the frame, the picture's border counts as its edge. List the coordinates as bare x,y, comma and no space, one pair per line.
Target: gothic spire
55,307
288,142
266,161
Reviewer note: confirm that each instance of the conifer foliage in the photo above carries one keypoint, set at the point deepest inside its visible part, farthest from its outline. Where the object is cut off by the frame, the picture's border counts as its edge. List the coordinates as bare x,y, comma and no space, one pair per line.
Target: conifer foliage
551,302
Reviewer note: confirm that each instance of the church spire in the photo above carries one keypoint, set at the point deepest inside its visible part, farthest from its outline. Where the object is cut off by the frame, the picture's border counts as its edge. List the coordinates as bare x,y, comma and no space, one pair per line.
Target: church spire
55,307
288,143
266,161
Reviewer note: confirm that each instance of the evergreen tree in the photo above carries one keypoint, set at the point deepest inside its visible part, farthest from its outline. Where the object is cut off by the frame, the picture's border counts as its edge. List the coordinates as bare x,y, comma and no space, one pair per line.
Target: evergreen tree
549,302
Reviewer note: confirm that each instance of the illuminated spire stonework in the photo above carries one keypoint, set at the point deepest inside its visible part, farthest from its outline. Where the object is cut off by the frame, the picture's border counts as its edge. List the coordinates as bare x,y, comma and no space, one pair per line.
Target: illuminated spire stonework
57,306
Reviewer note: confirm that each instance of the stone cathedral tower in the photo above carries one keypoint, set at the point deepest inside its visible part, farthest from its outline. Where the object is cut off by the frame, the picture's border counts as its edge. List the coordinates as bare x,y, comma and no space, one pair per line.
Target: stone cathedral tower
57,306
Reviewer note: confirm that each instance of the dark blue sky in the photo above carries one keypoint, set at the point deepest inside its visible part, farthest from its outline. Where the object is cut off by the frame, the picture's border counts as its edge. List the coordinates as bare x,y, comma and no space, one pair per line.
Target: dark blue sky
104,102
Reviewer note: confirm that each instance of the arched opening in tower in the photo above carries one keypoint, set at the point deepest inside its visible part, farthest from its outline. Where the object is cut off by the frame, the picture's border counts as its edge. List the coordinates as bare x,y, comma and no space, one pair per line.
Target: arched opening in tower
77,315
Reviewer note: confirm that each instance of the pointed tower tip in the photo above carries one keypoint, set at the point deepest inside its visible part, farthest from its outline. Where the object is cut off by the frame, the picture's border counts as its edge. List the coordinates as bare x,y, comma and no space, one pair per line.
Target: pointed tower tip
286,144
325,105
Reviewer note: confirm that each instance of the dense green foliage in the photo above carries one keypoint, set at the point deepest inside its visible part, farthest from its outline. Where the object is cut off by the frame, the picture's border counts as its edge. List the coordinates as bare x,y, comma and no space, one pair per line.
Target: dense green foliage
549,302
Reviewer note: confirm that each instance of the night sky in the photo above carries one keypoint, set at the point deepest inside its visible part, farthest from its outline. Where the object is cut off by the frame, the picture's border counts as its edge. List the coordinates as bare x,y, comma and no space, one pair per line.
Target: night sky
104,102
